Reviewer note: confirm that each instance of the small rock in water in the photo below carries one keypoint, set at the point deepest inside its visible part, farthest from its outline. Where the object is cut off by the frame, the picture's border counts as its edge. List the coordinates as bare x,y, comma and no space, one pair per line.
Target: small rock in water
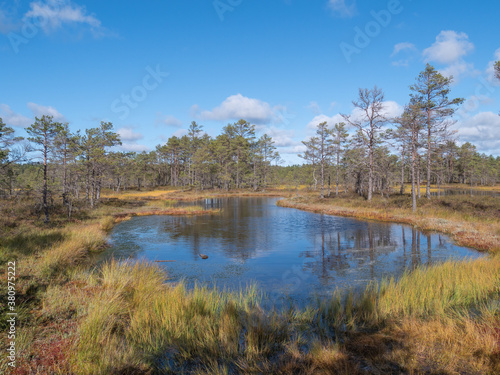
203,256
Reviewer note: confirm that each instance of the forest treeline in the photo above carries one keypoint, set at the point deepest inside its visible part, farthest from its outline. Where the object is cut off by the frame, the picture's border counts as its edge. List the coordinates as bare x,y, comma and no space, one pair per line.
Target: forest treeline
367,153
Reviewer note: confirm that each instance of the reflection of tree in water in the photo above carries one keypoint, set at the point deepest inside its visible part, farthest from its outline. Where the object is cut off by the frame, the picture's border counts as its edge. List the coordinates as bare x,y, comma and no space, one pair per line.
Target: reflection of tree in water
240,227
336,252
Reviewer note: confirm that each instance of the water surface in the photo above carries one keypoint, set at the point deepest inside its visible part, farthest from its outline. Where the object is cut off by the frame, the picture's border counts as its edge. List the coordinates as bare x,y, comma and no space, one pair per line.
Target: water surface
288,253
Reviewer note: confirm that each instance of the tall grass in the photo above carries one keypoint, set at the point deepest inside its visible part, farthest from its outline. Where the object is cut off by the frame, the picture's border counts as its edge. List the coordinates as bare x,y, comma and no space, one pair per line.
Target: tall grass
79,242
138,322
441,289
123,318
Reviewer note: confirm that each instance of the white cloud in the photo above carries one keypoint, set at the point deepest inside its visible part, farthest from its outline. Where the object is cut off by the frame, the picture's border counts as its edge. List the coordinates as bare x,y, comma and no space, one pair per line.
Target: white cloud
408,52
340,8
331,121
133,147
11,118
281,137
238,107
490,70
168,121
483,130
128,134
459,69
392,109
297,149
314,107
40,110
53,14
405,46
179,133
449,47
7,24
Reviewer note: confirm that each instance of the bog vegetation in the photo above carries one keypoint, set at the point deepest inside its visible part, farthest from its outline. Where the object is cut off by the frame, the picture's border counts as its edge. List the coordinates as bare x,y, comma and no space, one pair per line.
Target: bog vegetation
367,154
61,192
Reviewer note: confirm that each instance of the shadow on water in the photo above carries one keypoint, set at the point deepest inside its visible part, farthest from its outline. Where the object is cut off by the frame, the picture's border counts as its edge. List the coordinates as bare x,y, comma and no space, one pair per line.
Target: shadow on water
289,254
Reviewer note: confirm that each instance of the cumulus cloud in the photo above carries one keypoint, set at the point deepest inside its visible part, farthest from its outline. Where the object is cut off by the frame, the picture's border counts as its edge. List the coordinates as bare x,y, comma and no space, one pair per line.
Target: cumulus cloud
459,69
406,51
331,121
128,134
40,110
281,137
341,9
405,46
391,109
490,70
483,130
133,147
15,119
179,133
54,14
168,121
293,150
238,107
449,47
11,118
314,107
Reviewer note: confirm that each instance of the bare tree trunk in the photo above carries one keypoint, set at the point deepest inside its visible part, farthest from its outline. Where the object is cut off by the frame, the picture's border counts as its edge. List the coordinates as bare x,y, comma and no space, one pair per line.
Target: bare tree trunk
315,179
413,193
45,190
428,188
402,188
418,176
337,175
322,177
370,174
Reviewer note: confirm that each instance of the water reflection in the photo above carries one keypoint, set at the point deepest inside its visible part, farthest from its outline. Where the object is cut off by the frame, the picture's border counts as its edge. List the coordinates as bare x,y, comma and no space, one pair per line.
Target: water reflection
444,192
287,252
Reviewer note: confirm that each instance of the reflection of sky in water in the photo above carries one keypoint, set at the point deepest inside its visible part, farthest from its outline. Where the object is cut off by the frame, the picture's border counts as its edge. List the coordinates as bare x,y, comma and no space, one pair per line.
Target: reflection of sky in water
283,250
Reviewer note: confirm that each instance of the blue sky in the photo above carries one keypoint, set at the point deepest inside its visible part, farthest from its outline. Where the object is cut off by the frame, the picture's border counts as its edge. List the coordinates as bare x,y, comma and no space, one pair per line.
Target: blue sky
151,67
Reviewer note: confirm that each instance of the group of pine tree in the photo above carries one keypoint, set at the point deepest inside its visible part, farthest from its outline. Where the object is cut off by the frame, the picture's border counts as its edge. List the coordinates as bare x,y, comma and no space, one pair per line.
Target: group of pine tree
367,154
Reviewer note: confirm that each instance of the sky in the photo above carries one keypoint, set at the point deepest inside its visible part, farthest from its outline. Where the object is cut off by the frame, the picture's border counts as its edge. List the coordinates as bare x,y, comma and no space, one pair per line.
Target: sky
151,67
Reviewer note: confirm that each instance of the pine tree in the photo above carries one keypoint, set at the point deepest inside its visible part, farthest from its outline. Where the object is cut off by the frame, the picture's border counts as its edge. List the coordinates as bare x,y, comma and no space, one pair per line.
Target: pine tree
311,155
410,125
43,133
431,92
340,140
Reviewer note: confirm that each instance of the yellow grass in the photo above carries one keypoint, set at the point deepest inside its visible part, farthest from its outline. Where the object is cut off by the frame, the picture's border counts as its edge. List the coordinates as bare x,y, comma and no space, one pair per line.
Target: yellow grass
123,318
